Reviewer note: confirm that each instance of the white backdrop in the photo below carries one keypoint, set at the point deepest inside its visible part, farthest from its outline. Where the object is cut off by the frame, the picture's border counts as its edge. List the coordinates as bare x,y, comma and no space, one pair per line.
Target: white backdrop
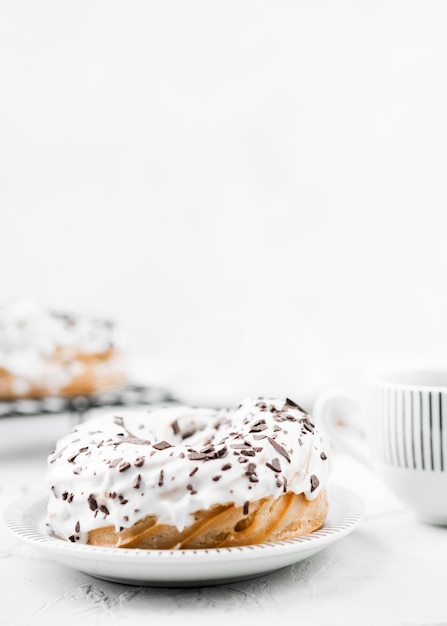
256,190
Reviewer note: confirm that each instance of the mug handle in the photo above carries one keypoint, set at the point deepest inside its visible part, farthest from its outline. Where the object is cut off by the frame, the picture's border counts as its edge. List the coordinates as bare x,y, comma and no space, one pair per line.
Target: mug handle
340,413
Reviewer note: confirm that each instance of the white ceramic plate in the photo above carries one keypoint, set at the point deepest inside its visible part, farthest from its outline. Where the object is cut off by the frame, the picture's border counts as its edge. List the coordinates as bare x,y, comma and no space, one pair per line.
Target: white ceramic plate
184,568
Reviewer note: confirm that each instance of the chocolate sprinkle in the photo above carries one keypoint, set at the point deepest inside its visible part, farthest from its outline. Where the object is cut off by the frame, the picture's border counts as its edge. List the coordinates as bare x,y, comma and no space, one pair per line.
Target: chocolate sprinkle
92,502
274,465
258,426
295,405
279,448
135,440
162,445
137,482
115,462
314,482
251,473
197,456
249,452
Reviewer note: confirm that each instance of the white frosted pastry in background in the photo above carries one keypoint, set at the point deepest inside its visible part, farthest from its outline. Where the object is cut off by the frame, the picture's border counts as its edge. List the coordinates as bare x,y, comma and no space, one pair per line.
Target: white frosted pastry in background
46,352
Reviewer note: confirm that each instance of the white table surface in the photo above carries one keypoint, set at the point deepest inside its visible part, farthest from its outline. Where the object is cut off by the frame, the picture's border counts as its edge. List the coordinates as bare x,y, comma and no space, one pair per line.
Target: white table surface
392,569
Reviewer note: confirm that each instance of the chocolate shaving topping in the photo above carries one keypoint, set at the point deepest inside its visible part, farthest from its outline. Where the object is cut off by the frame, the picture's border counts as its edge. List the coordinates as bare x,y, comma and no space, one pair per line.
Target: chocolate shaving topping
208,453
279,448
92,502
193,471
225,467
175,427
323,456
251,473
160,478
189,433
314,482
308,426
135,440
162,445
258,426
137,482
64,496
274,465
216,478
249,452
115,462
197,456
294,405
246,507
139,461
124,466
77,527
104,509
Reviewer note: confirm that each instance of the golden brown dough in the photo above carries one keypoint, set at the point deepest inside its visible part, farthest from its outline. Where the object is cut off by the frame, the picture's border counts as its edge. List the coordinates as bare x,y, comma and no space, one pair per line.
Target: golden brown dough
286,517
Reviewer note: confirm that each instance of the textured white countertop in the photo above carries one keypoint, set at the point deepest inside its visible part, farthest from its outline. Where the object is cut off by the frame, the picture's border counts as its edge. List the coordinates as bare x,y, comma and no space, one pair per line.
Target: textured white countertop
390,570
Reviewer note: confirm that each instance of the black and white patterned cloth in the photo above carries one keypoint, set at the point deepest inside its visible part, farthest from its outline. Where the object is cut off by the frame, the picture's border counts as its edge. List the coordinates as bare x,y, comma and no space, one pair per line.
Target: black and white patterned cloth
131,395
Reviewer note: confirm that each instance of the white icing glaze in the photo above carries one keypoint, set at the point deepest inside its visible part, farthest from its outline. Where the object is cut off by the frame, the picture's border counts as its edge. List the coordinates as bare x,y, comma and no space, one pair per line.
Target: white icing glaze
30,333
107,472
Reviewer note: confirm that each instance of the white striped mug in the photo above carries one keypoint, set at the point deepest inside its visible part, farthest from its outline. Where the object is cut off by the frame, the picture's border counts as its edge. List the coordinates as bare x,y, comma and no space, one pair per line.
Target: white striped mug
400,429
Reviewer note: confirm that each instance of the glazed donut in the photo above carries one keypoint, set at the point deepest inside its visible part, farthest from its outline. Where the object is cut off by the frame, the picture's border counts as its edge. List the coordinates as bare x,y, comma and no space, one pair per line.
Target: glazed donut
51,353
179,477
